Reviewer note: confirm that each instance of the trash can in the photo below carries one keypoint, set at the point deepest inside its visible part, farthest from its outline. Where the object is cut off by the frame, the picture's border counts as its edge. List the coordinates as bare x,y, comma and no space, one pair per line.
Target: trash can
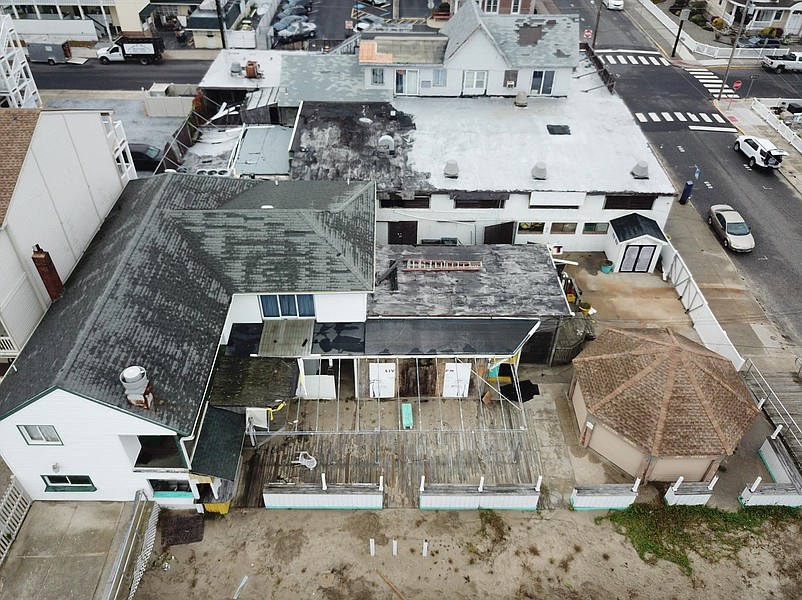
607,266
686,193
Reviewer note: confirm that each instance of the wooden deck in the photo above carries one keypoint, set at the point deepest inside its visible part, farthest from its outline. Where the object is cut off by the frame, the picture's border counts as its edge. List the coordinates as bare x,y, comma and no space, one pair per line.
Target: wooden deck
402,457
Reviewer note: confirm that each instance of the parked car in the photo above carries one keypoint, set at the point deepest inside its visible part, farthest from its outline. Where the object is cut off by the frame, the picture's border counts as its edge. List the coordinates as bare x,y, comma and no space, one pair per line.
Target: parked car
730,227
146,157
377,3
759,151
369,22
300,9
759,41
296,32
282,24
289,3
613,4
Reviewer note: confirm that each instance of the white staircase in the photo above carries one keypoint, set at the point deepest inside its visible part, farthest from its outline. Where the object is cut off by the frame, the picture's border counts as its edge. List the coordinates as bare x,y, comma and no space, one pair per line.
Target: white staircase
17,87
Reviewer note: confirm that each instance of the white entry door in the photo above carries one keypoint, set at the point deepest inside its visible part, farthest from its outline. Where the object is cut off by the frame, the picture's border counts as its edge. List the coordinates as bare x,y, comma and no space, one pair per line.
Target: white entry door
382,380
474,83
794,24
406,82
456,381
637,259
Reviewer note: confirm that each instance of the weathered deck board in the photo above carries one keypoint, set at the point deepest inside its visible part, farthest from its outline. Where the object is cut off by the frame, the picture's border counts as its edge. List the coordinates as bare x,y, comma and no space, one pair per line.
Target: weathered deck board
789,392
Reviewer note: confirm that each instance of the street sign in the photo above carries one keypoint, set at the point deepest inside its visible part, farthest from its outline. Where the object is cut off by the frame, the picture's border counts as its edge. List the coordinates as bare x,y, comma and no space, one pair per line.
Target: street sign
588,33
685,14
737,84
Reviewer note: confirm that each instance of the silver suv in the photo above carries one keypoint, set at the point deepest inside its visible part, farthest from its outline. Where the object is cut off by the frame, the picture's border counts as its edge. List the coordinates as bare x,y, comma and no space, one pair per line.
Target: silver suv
759,151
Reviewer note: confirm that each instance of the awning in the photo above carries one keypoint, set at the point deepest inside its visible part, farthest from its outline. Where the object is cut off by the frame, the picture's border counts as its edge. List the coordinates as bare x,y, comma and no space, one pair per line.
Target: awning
219,445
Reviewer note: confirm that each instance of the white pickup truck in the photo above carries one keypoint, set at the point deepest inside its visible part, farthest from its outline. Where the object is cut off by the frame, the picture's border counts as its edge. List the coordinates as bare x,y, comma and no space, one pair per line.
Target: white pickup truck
788,62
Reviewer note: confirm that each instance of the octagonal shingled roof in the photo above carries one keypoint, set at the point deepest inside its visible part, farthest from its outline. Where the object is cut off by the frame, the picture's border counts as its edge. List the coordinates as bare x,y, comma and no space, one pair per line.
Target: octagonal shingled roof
664,392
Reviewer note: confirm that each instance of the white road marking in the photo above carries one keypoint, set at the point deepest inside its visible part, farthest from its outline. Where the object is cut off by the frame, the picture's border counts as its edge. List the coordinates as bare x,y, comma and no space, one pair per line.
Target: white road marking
717,129
680,116
641,117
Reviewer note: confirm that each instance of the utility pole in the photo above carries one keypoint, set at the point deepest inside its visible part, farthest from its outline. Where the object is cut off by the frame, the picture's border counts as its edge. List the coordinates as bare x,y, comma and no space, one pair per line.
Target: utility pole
596,29
220,24
734,46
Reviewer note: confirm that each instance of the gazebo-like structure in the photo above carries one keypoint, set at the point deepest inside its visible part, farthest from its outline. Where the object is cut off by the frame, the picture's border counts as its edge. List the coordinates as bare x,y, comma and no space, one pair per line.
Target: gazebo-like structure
659,405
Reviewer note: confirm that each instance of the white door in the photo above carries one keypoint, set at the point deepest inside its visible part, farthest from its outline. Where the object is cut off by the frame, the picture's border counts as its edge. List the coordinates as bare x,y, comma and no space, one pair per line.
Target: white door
382,380
637,259
794,24
456,380
474,83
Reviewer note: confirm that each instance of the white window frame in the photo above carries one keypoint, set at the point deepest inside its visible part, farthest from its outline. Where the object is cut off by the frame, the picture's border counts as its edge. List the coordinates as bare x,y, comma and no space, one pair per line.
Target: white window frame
473,77
374,80
439,78
78,486
36,435
540,90
490,6
281,315
408,89
515,7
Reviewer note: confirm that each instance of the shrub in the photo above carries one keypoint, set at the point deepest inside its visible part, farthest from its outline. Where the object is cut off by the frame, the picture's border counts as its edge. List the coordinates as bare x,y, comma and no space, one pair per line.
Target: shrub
699,20
444,7
718,23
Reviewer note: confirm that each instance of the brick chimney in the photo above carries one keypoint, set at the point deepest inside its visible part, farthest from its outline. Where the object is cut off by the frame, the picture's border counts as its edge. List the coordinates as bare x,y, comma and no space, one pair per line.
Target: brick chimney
47,271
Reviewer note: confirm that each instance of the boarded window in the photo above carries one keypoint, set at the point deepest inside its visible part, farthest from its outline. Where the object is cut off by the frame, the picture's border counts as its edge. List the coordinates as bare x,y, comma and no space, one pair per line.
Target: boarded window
382,380
629,202
456,380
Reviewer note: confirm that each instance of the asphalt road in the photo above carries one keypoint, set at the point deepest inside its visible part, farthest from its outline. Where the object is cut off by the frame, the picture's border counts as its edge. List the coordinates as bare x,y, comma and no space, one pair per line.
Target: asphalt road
128,76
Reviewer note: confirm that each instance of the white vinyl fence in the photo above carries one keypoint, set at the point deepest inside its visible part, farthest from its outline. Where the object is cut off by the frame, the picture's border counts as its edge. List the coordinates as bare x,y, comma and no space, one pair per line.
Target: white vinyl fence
473,497
604,496
788,134
690,494
169,100
704,321
345,496
13,508
771,494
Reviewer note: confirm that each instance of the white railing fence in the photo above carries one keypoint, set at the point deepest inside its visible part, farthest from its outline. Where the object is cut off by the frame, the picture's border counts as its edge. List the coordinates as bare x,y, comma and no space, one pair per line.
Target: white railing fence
451,496
788,134
604,496
704,321
13,508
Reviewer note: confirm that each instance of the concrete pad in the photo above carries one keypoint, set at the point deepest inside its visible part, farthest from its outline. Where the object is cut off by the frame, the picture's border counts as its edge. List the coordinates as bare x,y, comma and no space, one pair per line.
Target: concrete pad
556,464
767,336
549,433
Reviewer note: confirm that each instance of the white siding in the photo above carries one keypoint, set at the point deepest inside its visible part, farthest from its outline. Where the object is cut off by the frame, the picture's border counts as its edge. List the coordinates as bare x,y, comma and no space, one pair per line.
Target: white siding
92,445
20,308
618,451
244,308
479,54
669,469
341,308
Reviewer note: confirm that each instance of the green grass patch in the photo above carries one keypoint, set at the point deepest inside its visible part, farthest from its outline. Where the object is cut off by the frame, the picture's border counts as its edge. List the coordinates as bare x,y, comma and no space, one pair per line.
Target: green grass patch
661,532
492,526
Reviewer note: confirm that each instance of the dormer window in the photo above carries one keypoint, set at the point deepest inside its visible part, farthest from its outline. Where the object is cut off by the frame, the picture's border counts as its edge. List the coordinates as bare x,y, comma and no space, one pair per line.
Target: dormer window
287,305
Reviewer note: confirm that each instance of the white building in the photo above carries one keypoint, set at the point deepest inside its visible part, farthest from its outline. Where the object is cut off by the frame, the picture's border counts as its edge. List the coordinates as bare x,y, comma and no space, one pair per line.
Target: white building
62,172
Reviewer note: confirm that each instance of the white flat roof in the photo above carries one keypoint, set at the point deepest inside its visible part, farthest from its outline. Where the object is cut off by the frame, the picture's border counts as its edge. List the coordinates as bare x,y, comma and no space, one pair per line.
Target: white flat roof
219,75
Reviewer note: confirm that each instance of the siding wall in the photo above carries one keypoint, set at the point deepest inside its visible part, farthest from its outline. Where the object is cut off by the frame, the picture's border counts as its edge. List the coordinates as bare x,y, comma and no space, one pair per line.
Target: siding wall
92,445
619,452
669,469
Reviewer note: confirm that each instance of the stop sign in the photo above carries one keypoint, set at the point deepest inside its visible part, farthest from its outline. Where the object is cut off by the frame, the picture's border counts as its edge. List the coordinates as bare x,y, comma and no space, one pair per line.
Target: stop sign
588,33
737,84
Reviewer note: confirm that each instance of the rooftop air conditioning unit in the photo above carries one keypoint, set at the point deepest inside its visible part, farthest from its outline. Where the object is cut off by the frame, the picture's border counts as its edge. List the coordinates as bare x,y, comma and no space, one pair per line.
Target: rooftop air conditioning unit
510,83
556,250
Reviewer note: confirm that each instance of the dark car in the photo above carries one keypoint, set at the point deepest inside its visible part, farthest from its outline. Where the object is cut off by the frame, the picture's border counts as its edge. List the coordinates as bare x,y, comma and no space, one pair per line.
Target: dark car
298,9
146,157
759,41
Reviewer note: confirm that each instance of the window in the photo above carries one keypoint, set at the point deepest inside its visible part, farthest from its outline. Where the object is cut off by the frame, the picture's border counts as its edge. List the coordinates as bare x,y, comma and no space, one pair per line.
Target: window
39,434
395,201
511,78
439,77
287,305
479,203
490,6
515,7
377,76
475,80
68,483
542,82
589,228
565,228
531,227
630,202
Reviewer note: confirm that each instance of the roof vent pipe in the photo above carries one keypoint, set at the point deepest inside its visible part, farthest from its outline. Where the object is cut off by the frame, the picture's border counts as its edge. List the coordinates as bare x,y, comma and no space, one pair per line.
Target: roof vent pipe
641,170
452,169
521,99
138,389
539,171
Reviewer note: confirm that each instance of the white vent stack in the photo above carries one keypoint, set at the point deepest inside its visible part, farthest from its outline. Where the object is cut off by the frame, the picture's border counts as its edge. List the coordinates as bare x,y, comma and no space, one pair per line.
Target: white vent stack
138,389
641,170
236,68
452,169
521,99
539,171
387,144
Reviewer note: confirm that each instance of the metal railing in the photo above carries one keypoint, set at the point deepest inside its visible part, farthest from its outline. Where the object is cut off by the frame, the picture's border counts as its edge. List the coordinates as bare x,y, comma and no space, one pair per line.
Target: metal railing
13,508
788,134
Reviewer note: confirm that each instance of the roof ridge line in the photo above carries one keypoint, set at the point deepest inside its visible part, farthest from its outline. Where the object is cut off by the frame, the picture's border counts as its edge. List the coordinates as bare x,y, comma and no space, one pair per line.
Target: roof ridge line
702,397
89,323
662,418
630,382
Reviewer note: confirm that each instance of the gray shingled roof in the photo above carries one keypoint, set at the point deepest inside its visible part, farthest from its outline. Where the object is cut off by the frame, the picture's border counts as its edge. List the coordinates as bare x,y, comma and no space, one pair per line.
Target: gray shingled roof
514,281
665,393
525,41
219,446
153,288
326,77
635,225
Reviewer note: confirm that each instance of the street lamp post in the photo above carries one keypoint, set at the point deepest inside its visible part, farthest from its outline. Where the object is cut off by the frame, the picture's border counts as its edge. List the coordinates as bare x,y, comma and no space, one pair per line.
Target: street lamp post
596,29
734,46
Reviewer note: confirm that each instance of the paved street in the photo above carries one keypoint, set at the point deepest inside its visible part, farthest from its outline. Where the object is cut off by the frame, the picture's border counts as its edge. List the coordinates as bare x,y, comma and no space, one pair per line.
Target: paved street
129,76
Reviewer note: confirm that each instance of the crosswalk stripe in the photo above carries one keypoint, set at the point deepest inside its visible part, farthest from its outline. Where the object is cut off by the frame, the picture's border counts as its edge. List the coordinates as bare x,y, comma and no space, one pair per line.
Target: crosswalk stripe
719,129
680,116
621,60
641,117
719,118
664,62
667,116
632,60
697,71
625,51
693,117
610,59
654,61
654,117
705,118
643,60
712,86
